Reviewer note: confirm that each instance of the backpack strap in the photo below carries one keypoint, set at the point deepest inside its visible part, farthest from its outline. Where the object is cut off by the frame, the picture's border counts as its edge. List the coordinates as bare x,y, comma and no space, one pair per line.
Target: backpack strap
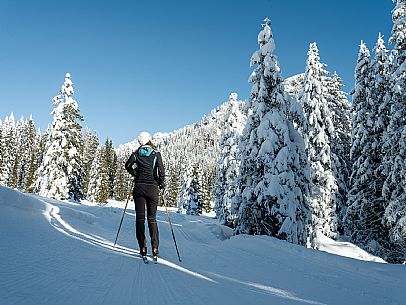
154,162
154,151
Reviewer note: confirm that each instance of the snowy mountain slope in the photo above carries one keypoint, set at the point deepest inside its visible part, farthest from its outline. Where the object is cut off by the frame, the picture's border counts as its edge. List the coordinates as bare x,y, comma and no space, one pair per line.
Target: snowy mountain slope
210,125
54,252
293,85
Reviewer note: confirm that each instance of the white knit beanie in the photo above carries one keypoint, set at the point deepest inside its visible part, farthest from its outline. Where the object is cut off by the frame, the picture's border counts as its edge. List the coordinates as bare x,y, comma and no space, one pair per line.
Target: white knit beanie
144,137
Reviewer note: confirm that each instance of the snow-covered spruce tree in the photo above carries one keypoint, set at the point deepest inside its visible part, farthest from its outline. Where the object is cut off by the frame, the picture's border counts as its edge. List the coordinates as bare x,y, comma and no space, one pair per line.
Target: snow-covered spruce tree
17,151
190,201
173,174
208,179
274,171
3,151
122,180
104,174
340,145
359,100
381,99
359,110
18,145
359,128
394,164
195,202
228,165
21,152
73,149
365,202
97,175
31,155
29,148
8,149
1,144
90,145
184,191
99,186
317,132
42,142
60,173
110,165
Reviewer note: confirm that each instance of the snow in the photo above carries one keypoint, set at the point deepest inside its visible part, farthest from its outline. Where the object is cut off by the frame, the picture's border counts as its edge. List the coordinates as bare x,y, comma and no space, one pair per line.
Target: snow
346,249
58,252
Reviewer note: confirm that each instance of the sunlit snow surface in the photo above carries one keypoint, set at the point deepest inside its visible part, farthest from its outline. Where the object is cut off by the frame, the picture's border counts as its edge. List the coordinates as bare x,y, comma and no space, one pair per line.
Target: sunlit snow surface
54,252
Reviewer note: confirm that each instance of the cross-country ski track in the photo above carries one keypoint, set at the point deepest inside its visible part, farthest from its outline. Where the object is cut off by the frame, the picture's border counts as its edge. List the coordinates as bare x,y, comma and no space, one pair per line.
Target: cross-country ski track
55,253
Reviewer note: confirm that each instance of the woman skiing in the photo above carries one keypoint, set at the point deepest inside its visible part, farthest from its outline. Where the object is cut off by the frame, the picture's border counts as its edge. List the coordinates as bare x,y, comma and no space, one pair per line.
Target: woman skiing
146,165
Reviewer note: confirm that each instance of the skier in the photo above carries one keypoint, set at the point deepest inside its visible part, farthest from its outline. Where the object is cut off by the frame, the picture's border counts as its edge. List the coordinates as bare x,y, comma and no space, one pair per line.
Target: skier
146,165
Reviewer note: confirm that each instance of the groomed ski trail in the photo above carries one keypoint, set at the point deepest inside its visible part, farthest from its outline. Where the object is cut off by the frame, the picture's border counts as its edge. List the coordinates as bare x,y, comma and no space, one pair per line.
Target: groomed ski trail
55,252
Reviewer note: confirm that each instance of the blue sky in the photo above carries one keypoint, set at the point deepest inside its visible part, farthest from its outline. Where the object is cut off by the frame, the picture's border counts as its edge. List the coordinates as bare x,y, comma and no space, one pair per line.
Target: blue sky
159,65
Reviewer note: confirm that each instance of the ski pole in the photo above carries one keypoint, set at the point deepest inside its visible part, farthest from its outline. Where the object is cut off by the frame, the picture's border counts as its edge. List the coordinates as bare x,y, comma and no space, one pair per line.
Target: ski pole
122,217
170,225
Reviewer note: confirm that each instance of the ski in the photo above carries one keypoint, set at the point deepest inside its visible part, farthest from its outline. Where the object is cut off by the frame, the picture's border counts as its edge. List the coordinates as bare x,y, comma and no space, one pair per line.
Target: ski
145,259
155,259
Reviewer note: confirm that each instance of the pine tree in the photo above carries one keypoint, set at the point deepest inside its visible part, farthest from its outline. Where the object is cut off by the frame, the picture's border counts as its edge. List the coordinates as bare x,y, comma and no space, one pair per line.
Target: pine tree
379,99
43,137
207,184
359,98
2,145
317,132
122,180
341,143
31,155
17,152
90,144
358,137
8,150
99,181
52,180
42,145
365,204
228,165
97,178
73,148
104,173
60,174
110,164
172,173
191,193
195,202
274,170
184,194
394,164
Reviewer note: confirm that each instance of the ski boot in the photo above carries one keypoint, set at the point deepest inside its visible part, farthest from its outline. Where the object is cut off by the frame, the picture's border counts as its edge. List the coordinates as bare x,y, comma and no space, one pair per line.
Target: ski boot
155,253
143,253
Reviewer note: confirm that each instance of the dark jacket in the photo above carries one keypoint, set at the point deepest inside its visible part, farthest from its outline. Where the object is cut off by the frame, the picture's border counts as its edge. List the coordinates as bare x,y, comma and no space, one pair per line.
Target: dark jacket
146,166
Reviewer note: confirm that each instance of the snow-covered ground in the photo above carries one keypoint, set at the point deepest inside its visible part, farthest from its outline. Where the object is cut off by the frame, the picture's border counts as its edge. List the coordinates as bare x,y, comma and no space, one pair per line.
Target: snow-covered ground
54,252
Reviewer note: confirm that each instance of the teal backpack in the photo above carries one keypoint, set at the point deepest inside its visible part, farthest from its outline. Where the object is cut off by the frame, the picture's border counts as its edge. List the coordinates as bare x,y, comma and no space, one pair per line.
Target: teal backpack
146,151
